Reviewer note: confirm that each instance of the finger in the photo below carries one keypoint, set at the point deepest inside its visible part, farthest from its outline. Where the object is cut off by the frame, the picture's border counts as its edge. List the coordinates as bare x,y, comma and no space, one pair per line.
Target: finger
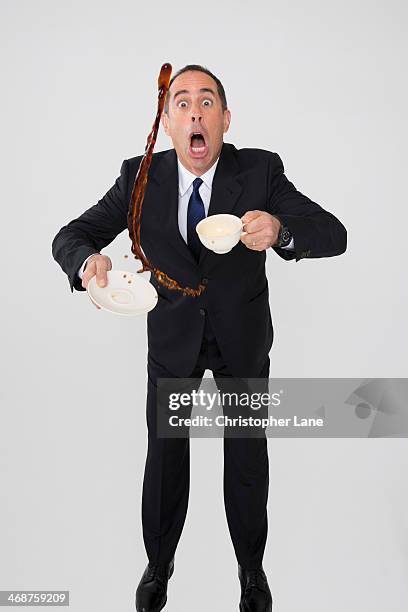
258,241
250,215
258,246
260,222
86,279
87,275
261,235
101,273
90,271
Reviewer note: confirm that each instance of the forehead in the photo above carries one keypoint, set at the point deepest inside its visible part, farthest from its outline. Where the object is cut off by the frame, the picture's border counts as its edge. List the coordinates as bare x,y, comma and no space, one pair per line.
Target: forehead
193,81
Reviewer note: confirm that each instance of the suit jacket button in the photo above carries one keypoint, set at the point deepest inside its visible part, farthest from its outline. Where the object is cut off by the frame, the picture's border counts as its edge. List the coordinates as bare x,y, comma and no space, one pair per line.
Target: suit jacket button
204,281
202,312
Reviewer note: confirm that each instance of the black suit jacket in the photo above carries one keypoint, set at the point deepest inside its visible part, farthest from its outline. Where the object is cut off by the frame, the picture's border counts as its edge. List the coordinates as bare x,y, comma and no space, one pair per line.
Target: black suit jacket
236,294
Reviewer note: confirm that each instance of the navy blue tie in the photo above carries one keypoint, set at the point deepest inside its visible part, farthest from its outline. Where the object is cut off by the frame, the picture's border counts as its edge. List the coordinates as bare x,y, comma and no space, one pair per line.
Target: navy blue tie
195,212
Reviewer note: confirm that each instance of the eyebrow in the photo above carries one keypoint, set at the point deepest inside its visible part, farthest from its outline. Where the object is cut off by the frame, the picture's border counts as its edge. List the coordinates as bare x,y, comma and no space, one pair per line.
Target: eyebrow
202,90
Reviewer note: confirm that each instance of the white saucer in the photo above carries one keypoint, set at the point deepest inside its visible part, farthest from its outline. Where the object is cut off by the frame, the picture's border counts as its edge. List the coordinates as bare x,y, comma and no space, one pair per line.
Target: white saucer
126,293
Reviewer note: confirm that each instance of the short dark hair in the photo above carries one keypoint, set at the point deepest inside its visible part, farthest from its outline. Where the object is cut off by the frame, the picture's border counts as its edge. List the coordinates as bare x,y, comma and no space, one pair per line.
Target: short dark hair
198,68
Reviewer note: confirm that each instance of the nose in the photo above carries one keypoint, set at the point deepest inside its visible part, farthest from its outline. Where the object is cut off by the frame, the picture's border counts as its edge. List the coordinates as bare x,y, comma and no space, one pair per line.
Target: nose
196,113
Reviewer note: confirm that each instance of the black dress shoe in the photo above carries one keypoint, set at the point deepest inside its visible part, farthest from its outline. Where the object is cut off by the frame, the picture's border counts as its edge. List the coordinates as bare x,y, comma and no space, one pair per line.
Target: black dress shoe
151,594
255,593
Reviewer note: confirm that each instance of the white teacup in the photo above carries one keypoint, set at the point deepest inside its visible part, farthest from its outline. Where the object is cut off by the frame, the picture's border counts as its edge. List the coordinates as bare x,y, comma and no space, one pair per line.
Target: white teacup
220,233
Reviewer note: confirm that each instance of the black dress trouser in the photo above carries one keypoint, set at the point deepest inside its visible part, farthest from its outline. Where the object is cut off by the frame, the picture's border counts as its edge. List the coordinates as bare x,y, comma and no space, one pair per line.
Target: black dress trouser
167,475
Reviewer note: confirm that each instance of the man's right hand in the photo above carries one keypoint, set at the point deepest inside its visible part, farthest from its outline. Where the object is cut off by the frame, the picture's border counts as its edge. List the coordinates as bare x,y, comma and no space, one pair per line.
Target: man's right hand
97,265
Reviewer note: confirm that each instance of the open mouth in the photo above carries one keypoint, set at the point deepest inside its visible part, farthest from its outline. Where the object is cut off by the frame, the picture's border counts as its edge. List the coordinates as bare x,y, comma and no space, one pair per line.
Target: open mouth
198,146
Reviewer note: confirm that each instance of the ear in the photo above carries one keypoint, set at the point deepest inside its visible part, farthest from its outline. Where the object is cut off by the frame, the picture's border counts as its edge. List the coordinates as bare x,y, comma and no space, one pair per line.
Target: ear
165,122
227,120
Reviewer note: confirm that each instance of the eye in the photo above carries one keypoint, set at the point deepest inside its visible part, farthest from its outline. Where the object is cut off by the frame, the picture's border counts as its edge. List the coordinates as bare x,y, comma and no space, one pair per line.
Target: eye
182,102
209,102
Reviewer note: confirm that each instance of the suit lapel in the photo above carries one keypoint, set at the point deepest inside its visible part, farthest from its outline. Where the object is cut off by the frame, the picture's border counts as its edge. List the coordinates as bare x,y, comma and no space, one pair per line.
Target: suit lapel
163,190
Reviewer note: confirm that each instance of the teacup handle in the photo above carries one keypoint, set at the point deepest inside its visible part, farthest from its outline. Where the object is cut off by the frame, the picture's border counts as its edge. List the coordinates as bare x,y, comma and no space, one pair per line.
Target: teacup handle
243,233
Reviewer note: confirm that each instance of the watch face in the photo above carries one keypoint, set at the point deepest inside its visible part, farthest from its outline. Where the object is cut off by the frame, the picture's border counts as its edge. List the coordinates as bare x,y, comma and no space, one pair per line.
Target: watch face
285,236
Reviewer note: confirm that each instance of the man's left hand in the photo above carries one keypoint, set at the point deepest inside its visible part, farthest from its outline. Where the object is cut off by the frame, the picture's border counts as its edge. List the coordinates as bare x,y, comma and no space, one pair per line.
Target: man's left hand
262,228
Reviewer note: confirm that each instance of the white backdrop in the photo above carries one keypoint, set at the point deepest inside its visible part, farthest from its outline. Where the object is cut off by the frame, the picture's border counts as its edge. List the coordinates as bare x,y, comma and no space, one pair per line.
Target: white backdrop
321,83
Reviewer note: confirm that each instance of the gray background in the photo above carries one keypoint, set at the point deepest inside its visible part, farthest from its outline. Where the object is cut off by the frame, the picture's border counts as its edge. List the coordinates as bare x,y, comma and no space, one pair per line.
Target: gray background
324,85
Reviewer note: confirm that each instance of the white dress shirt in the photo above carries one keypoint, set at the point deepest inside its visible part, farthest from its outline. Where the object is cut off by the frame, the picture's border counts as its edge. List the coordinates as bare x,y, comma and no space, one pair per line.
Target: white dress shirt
186,179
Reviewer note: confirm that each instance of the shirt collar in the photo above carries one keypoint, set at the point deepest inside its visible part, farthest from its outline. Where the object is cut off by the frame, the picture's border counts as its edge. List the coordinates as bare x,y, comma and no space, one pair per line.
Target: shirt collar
186,177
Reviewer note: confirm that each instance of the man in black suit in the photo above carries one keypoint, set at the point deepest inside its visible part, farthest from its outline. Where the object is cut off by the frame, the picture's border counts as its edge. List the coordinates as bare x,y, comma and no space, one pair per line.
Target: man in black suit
227,329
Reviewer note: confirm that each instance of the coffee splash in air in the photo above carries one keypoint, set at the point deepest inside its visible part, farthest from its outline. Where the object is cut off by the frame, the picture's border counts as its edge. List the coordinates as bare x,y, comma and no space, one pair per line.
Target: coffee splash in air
138,192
